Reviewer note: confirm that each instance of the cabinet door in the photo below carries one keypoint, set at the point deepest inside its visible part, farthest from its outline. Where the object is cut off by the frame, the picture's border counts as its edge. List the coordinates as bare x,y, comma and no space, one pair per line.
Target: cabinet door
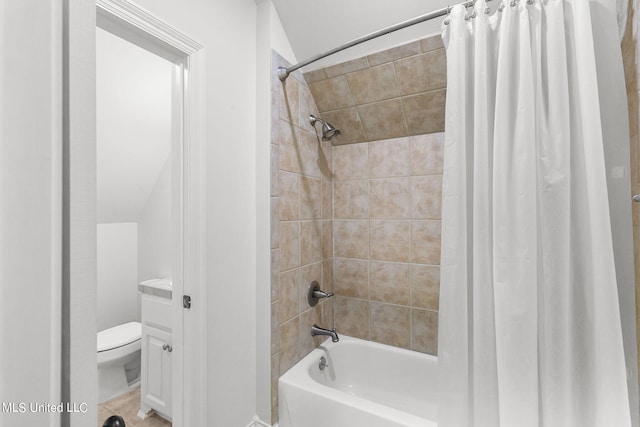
156,369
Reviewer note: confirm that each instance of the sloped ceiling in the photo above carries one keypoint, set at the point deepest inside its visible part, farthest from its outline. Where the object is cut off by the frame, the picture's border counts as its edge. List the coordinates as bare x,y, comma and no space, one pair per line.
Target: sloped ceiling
133,92
315,26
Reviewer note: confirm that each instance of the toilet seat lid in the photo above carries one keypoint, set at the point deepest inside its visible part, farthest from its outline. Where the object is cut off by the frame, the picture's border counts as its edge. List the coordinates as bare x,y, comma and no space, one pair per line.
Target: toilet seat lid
119,336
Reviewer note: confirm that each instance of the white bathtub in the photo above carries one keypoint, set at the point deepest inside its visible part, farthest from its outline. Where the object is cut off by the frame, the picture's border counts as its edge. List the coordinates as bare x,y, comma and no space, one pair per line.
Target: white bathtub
365,384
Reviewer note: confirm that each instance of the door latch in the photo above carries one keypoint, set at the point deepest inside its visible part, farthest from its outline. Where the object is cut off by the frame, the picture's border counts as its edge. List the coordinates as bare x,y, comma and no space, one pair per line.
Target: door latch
186,301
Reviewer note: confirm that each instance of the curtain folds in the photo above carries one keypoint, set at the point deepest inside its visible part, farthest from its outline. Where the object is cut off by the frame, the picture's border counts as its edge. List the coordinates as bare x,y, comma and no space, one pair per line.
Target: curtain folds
529,327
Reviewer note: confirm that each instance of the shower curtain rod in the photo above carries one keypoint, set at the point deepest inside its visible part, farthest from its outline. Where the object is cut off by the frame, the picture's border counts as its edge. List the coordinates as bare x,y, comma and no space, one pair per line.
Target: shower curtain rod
283,72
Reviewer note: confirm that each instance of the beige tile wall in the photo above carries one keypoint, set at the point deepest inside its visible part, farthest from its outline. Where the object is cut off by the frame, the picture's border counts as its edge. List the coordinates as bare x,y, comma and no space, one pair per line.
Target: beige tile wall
301,224
390,94
629,48
387,212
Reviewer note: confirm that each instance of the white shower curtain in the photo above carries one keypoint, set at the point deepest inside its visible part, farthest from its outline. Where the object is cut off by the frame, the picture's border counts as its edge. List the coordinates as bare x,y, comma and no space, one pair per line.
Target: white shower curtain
529,326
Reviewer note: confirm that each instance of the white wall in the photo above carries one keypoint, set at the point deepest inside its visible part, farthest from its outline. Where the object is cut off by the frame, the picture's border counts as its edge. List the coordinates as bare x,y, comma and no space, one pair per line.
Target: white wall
155,230
278,39
30,207
133,117
263,244
227,29
117,266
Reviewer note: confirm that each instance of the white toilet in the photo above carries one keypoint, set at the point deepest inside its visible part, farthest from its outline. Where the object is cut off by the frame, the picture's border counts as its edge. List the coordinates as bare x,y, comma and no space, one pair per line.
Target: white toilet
118,360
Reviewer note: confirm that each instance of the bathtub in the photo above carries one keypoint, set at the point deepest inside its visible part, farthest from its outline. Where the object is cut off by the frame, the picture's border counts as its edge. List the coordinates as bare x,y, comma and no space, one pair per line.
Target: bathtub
365,384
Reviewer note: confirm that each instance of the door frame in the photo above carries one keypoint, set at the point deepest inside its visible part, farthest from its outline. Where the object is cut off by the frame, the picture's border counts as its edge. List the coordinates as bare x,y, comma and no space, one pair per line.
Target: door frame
129,21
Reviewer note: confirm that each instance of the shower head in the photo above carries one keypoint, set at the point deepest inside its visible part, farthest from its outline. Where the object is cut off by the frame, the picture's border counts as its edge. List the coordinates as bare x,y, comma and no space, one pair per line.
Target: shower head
328,131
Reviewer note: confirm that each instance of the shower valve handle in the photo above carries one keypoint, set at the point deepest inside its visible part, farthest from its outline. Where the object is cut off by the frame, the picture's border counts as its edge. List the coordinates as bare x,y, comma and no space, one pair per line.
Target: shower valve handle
322,294
315,293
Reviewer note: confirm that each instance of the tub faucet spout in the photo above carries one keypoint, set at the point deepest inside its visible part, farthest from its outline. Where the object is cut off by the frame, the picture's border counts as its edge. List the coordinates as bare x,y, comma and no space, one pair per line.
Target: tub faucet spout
317,330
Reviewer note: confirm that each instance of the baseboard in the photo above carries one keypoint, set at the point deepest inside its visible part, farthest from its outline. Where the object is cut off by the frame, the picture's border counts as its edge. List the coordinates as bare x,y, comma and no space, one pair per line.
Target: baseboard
135,384
257,422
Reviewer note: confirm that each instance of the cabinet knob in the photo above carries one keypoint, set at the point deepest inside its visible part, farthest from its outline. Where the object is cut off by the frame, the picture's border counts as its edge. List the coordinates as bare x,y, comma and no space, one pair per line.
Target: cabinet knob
167,347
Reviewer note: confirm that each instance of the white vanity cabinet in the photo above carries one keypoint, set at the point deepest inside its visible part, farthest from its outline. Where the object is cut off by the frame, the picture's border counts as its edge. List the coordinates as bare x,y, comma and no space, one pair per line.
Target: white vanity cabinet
157,350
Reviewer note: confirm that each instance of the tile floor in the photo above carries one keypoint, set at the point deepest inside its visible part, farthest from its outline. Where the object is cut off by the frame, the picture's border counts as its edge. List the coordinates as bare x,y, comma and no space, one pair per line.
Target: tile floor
127,407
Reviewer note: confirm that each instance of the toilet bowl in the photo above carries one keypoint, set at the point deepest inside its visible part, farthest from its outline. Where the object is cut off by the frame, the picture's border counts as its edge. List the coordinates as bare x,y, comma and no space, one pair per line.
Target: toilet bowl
118,359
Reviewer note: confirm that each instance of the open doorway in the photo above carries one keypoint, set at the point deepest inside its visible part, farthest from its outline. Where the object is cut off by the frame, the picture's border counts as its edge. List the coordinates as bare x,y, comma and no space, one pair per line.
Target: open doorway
136,203
174,332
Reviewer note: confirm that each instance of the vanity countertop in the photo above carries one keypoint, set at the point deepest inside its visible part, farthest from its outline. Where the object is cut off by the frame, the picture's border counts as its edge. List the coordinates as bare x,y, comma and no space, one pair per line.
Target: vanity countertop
158,287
